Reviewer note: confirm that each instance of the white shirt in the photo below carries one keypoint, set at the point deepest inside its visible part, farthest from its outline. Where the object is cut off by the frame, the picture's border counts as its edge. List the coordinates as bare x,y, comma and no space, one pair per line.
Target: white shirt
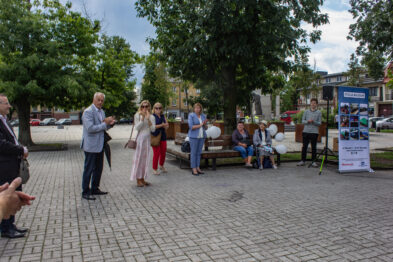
200,135
100,116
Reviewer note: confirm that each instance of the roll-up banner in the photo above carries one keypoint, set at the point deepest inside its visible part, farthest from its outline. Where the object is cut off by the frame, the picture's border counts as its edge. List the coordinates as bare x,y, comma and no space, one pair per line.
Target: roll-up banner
353,142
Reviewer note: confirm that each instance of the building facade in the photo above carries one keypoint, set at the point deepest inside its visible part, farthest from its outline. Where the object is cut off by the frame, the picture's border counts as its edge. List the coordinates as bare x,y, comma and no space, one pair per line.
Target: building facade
178,106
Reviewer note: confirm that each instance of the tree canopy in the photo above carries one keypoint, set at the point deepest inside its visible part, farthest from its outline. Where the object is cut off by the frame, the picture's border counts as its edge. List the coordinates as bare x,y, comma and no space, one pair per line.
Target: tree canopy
373,29
53,56
236,44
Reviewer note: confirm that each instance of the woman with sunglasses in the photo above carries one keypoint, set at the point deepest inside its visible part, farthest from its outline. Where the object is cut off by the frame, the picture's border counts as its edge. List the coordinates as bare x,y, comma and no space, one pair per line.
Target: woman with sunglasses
159,151
144,123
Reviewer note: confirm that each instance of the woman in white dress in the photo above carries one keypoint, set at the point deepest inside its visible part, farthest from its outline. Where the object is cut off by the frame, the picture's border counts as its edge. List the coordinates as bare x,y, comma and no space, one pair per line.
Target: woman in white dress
144,123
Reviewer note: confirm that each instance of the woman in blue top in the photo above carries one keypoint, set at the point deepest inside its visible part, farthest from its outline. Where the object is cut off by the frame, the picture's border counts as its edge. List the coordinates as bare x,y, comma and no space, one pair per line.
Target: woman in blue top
196,132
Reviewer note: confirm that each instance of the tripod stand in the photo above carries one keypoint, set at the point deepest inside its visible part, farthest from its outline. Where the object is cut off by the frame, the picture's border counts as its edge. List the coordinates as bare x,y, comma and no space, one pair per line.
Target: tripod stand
326,150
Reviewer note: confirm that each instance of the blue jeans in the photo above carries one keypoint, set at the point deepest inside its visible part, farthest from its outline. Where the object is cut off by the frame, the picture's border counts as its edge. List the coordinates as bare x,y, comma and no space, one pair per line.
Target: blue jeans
196,145
244,152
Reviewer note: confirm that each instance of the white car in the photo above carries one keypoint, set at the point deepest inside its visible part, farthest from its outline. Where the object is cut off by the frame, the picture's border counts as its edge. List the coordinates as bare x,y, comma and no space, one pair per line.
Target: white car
385,123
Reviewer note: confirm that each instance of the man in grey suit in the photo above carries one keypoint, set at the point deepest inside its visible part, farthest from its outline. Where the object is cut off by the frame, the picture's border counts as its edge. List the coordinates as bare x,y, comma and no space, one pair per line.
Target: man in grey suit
94,126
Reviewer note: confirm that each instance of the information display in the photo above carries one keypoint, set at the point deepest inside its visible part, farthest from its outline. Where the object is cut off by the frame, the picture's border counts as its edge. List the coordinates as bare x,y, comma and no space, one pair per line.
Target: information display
353,141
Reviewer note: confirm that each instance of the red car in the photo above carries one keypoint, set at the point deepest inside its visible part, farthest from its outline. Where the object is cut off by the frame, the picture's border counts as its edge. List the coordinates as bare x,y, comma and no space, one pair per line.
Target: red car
35,122
287,116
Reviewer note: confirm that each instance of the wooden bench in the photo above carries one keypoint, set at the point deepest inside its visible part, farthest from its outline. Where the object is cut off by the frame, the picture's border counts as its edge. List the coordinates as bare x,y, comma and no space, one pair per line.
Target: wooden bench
214,148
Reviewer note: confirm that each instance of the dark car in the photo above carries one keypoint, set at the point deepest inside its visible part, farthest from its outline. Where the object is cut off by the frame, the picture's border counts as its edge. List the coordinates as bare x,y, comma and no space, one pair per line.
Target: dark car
125,121
48,122
14,122
64,121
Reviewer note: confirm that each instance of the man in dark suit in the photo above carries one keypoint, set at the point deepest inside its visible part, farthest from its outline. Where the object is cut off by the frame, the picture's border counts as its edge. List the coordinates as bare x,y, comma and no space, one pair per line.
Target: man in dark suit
11,153
94,126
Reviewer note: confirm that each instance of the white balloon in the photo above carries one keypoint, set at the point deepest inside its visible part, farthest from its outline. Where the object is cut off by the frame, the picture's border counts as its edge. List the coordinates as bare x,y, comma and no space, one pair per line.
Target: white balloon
273,129
281,149
187,139
215,132
208,135
279,137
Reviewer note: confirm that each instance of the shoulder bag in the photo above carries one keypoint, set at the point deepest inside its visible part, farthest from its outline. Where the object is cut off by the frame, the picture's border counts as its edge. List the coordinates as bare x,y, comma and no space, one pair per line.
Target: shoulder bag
24,172
131,144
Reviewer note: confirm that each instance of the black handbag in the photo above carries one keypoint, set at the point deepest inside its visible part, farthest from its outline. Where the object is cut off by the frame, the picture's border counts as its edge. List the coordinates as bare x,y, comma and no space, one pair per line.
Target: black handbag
185,147
246,141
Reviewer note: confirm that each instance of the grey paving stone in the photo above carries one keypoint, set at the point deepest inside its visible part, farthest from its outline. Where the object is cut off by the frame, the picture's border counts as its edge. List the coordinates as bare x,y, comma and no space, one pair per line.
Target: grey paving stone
289,214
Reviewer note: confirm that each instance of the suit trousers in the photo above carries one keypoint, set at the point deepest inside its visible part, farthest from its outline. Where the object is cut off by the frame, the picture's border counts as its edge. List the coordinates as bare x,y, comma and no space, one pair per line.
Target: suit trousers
196,145
94,163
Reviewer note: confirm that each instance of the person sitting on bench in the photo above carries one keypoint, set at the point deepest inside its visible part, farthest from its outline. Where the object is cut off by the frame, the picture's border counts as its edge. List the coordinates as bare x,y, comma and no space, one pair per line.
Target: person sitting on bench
242,143
263,143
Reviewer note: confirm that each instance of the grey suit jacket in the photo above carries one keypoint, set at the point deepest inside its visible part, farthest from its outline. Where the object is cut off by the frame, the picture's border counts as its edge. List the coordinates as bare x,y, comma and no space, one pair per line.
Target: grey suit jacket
93,130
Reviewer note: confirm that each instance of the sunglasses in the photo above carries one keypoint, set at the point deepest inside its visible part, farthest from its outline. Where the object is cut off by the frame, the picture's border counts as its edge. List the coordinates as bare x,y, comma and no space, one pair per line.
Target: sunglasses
158,108
145,106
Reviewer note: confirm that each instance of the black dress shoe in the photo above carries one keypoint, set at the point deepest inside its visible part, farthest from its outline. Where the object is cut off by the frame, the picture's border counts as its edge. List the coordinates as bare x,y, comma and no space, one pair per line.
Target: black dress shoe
12,233
197,174
88,197
21,230
200,172
98,192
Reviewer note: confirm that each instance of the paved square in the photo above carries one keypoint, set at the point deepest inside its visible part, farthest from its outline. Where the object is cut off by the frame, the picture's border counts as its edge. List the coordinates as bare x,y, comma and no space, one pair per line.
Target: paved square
232,214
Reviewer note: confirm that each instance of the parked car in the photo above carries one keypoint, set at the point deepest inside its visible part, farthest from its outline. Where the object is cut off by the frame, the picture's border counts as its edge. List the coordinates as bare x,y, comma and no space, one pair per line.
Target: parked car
35,122
64,121
48,122
287,116
385,123
125,121
15,122
372,121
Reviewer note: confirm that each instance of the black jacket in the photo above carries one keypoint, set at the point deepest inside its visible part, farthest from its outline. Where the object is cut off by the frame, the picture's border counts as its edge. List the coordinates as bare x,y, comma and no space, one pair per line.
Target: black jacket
10,155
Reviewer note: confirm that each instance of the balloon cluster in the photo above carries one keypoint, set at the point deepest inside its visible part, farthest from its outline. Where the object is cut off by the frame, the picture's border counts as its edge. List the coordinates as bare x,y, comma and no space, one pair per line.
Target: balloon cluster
281,149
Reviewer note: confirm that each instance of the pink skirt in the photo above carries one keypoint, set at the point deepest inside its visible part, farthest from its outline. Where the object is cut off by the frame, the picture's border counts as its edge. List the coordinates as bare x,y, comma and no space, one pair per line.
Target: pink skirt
140,163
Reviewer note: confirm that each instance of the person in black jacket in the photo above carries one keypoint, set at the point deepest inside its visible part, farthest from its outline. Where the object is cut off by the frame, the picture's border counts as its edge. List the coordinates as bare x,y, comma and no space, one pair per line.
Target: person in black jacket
11,153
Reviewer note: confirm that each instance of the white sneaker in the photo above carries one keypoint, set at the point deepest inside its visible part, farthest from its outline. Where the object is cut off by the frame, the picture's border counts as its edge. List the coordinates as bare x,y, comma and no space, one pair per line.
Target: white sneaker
301,163
260,167
248,165
314,164
274,166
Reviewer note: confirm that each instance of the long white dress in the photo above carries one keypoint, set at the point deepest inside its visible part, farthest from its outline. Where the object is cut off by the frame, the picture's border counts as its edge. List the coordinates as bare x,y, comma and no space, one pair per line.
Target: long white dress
141,161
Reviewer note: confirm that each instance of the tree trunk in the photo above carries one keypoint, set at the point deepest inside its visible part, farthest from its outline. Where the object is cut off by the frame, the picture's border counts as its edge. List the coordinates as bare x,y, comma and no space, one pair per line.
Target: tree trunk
230,101
23,109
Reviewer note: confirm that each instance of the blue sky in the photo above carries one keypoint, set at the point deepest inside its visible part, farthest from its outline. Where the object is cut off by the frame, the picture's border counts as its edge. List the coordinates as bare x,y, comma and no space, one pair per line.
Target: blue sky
119,17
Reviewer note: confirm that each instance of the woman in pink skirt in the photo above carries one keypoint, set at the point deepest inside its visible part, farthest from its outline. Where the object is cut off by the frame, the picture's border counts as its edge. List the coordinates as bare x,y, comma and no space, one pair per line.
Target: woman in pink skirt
144,123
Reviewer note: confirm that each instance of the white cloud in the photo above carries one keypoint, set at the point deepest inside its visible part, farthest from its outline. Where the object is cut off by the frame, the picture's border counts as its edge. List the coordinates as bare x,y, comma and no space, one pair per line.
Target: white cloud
332,52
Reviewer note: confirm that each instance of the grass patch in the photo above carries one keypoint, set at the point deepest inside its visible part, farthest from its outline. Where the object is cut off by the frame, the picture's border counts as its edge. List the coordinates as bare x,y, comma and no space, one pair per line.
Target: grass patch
47,147
382,130
383,160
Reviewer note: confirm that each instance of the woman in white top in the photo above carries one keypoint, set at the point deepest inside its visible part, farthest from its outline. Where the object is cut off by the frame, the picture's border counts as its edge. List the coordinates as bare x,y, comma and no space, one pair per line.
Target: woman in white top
144,123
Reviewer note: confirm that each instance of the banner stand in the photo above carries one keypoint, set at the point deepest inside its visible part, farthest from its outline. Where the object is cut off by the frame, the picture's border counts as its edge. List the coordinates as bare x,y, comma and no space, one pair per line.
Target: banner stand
353,140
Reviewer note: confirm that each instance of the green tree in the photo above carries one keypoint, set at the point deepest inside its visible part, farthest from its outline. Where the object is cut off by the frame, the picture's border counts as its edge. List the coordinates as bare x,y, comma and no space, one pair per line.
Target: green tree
210,97
373,29
45,49
236,44
355,69
114,64
156,86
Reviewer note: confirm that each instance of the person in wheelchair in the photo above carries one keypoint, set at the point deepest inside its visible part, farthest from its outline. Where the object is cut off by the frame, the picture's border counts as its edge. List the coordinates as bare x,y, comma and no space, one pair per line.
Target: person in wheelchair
263,144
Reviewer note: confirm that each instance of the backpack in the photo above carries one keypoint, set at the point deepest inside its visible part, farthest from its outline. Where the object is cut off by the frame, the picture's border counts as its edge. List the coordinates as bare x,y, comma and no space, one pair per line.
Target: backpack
267,163
185,147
